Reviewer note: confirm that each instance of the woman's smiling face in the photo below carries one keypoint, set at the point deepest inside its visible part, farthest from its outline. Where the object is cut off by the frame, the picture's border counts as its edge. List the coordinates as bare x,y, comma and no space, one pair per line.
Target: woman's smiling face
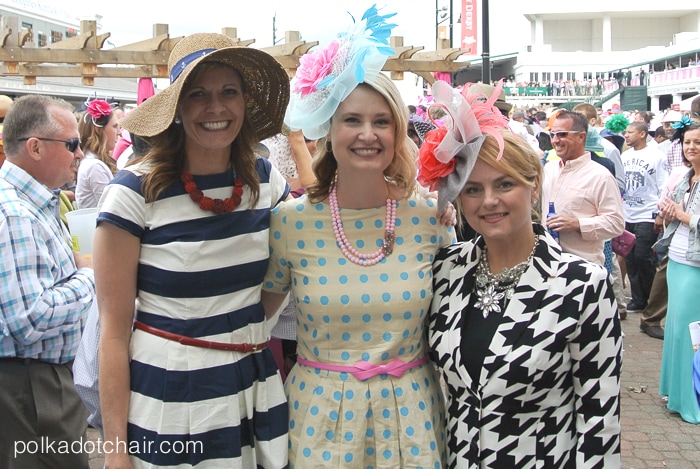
363,132
212,108
496,205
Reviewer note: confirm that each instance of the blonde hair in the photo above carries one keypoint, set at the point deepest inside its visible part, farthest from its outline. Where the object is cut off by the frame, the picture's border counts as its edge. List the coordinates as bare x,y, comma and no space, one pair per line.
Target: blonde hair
402,169
518,161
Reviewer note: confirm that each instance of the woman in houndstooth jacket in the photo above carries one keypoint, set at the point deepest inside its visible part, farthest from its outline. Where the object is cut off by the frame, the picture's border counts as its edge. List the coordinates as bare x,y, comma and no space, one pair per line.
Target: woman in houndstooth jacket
527,337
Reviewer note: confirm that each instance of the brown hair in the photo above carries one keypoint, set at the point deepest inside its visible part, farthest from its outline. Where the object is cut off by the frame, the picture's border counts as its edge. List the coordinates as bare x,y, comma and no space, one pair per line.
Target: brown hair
578,120
92,139
695,126
587,110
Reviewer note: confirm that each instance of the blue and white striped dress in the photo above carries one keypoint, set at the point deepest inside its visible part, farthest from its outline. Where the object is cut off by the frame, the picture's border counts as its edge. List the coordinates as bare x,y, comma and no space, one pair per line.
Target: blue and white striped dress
200,275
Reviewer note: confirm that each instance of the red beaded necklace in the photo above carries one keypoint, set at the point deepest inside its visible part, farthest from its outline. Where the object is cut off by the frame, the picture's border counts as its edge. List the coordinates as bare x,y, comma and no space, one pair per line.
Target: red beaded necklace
217,206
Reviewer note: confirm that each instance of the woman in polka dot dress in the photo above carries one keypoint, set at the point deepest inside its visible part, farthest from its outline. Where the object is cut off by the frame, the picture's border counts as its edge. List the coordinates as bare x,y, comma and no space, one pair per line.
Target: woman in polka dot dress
356,252
363,393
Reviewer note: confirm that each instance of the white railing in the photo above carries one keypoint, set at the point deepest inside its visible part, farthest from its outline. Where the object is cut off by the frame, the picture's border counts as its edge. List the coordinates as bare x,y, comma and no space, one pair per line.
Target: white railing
675,76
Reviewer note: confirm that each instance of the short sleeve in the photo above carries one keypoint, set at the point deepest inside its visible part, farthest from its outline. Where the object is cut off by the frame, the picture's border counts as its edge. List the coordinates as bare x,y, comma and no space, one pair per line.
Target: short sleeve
123,205
278,275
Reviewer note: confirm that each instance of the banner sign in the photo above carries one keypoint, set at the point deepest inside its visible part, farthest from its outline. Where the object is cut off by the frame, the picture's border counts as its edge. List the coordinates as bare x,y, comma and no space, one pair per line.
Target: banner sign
469,27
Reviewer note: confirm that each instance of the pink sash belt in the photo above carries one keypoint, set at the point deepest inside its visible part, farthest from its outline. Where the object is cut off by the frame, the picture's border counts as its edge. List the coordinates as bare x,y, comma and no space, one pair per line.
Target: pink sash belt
365,370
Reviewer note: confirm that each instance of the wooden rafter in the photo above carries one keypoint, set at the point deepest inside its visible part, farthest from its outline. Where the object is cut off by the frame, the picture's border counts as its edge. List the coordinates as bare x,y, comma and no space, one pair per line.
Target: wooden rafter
83,56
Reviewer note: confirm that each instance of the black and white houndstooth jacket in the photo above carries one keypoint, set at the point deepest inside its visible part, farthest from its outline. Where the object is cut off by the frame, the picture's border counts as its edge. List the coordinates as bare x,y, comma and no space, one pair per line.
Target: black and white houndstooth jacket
549,390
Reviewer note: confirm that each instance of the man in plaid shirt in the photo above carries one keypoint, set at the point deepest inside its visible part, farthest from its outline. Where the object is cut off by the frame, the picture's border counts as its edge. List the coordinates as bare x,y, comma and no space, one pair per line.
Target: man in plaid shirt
46,290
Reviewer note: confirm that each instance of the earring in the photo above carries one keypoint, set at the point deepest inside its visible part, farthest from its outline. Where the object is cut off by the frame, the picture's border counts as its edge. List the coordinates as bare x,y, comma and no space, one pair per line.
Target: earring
328,146
177,120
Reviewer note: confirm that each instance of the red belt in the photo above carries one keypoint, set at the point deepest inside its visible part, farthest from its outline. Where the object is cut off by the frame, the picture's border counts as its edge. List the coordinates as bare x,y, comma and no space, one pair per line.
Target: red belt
184,340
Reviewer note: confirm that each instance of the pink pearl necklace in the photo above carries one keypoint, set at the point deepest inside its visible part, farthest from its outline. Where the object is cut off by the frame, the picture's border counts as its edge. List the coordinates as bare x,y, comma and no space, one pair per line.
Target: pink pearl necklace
352,254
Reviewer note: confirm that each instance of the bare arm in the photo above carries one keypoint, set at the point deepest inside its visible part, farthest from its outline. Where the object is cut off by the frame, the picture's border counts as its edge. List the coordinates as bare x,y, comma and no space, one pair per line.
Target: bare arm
116,261
272,302
302,158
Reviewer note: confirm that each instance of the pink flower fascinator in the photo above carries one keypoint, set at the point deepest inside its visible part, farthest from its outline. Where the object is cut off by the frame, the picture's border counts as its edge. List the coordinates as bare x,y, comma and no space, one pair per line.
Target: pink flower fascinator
326,76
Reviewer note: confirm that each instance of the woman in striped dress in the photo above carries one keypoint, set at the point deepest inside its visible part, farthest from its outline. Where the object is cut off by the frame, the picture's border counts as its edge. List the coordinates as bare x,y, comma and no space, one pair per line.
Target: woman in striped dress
186,378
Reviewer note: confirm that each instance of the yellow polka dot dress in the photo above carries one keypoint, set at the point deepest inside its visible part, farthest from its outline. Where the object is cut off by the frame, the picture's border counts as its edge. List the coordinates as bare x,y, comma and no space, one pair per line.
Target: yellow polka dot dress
347,314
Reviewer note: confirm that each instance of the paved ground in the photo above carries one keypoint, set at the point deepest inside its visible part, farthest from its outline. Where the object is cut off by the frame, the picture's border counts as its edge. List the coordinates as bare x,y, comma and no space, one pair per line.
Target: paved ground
652,437
97,460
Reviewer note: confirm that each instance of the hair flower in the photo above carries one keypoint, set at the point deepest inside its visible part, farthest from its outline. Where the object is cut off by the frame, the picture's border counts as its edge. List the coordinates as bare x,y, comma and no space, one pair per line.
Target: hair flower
98,108
99,112
684,122
680,128
432,169
314,69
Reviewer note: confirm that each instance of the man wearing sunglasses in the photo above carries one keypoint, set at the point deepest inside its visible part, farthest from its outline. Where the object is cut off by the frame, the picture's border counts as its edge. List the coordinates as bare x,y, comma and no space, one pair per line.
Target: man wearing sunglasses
585,194
46,290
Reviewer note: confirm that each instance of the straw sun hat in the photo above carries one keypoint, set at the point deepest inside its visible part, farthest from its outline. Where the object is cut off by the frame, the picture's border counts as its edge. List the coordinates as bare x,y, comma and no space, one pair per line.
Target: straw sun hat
265,80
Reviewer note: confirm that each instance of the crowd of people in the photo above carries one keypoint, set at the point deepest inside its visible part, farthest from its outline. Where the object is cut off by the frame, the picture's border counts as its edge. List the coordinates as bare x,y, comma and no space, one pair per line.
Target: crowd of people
561,87
601,84
280,282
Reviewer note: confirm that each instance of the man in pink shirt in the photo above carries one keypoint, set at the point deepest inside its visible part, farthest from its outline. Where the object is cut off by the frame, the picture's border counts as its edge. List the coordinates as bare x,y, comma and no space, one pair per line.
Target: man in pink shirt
585,195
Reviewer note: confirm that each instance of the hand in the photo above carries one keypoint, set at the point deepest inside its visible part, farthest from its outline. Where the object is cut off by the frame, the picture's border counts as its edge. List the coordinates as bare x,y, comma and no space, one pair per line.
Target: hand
296,137
667,209
82,261
658,224
561,223
69,194
678,212
449,215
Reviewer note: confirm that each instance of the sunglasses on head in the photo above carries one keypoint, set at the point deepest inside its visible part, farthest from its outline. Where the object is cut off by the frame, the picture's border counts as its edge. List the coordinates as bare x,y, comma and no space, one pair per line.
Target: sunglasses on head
72,144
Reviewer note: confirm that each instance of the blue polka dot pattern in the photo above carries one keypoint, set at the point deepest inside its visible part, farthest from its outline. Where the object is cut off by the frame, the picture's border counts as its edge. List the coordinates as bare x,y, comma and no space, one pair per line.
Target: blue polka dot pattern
350,314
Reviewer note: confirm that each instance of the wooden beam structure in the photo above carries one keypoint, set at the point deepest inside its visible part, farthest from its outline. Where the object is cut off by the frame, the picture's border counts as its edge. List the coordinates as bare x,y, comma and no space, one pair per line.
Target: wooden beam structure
83,55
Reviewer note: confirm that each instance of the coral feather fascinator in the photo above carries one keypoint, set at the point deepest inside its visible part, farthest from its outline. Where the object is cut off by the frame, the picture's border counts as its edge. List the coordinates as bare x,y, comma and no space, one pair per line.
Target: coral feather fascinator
448,155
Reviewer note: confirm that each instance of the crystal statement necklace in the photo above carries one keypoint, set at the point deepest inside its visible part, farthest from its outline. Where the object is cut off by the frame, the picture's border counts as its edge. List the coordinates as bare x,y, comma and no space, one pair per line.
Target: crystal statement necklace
352,254
491,289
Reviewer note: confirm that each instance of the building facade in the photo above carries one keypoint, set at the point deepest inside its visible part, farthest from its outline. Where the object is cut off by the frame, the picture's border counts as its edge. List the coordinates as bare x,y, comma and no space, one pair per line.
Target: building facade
652,44
46,23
